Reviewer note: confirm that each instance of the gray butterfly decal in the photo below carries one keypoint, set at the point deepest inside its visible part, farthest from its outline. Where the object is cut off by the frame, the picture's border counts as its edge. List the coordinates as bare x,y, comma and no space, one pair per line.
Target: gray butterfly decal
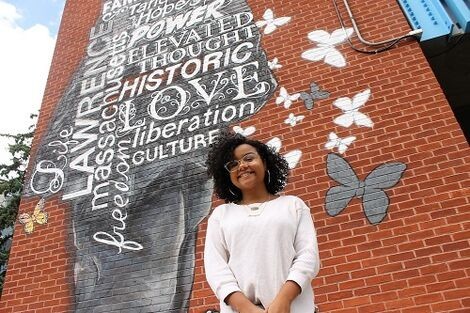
375,201
314,94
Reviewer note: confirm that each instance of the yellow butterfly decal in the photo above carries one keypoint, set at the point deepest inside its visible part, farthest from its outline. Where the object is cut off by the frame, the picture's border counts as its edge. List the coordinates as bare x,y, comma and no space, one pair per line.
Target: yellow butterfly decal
39,216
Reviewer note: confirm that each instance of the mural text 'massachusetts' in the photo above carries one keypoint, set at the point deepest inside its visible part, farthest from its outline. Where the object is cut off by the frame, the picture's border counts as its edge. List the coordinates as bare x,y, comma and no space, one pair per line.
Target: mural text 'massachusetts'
127,143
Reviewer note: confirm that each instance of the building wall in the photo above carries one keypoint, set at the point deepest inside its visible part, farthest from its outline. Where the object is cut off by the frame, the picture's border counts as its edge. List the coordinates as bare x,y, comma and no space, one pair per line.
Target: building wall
124,234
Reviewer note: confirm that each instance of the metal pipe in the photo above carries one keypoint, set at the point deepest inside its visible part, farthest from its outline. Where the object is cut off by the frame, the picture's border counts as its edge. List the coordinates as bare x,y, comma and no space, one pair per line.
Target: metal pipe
369,43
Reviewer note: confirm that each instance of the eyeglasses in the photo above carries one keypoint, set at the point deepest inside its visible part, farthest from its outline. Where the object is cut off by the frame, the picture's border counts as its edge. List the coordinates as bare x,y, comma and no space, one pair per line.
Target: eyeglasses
233,165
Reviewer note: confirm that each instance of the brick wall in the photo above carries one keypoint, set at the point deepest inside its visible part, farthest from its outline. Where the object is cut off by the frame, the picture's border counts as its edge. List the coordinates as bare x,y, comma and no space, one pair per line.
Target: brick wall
40,275
415,259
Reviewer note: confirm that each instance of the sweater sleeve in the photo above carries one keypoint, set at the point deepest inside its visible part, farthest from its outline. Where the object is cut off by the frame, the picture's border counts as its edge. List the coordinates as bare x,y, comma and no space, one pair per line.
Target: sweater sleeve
306,262
218,273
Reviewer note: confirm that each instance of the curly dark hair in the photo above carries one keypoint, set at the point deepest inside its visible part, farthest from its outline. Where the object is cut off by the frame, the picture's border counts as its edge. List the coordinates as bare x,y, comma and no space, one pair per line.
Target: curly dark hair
221,152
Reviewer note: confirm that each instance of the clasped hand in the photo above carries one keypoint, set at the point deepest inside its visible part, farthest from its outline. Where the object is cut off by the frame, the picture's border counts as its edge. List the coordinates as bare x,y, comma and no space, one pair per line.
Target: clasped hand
278,306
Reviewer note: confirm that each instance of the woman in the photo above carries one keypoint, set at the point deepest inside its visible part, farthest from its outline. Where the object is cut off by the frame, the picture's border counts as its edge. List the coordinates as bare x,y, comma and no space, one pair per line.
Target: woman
261,250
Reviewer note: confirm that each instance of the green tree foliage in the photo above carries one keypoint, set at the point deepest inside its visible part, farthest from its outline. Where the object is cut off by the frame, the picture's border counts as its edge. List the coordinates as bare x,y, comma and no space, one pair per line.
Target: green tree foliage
11,186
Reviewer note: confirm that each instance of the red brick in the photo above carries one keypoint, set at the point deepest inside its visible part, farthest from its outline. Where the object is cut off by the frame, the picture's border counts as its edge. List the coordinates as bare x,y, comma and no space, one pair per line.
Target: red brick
421,280
416,308
447,306
363,273
384,296
429,298
394,285
456,246
392,264
460,264
413,291
434,269
373,308
399,304
352,284
372,290
339,295
401,257
337,278
428,251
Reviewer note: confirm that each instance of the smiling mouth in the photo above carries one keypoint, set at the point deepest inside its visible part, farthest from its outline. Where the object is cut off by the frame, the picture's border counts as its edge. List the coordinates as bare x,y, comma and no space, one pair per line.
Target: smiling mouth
245,174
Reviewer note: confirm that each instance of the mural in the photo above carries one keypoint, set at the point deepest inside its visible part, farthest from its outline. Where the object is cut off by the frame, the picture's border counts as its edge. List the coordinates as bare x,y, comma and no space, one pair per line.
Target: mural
244,131
274,64
326,46
342,144
285,98
127,144
292,157
124,150
292,120
375,201
269,23
350,108
314,94
39,216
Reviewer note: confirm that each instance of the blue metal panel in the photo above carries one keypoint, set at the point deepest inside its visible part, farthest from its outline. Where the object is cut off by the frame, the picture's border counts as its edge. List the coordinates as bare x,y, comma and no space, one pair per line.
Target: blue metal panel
460,9
428,15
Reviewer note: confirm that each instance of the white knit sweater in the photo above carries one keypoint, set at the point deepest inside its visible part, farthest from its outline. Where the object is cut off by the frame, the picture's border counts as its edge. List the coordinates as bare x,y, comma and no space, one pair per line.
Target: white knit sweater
257,254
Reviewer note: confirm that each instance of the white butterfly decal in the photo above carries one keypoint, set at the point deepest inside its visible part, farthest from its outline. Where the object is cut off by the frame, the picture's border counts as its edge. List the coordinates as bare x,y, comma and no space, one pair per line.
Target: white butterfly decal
326,43
250,130
286,98
274,64
351,112
270,22
342,144
292,157
292,120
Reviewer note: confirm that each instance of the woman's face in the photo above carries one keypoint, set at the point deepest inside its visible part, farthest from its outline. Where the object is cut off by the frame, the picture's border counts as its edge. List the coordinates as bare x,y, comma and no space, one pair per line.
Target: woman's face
247,169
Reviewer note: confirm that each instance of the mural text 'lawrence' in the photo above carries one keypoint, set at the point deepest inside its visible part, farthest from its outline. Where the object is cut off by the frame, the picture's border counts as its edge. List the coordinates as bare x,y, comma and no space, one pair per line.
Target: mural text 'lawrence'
127,144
